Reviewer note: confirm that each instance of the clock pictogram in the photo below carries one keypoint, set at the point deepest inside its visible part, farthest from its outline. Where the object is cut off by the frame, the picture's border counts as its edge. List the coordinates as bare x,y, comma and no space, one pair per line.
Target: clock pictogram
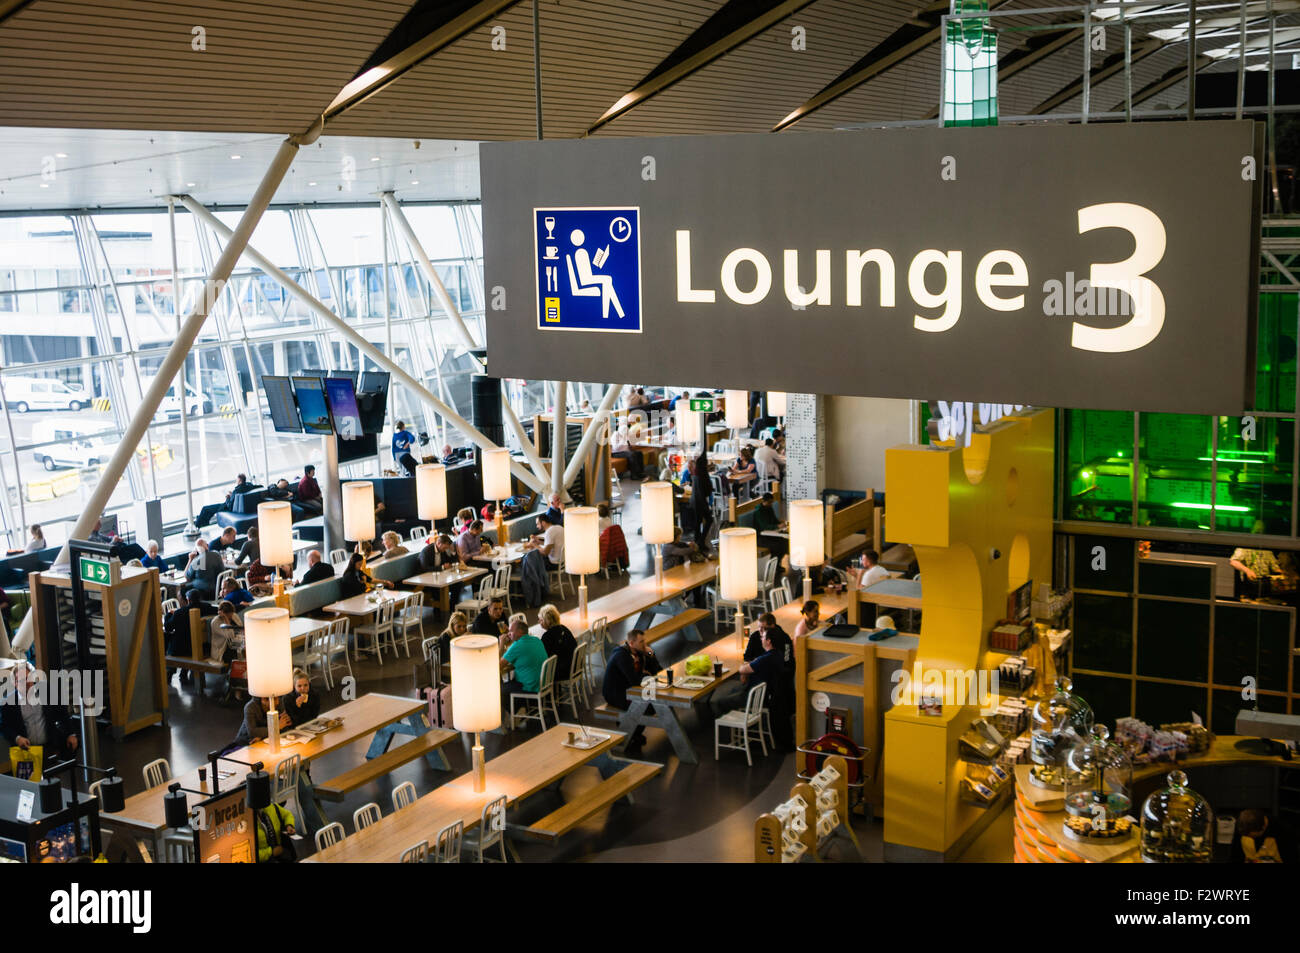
620,229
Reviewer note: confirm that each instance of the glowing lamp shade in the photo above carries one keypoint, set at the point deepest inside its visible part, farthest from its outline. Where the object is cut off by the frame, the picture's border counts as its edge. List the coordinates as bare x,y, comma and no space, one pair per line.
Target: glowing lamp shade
359,511
496,475
431,491
738,556
807,533
657,512
275,533
475,683
688,421
737,408
776,403
581,540
268,647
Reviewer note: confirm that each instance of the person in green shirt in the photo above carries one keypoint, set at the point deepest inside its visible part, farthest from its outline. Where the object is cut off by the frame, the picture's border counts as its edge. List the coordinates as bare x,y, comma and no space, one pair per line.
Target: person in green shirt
526,655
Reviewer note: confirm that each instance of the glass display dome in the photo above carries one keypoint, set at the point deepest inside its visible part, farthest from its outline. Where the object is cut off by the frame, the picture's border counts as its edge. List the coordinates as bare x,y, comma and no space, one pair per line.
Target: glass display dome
1177,825
1057,723
1098,777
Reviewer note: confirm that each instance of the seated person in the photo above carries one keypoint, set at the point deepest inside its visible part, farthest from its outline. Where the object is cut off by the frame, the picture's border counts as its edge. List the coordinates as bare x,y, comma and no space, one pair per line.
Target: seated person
225,633
555,510
771,670
736,476
489,512
772,460
525,655
464,516
260,581
603,520
280,491
765,519
619,448
1256,565
627,665
227,540
392,547
123,551
767,627
439,553
302,704
251,549
25,720
872,572
308,494
212,509
457,625
678,551
275,828
550,541
202,570
1256,843
356,579
471,542
254,726
153,560
558,641
37,542
809,618
232,592
317,569
491,619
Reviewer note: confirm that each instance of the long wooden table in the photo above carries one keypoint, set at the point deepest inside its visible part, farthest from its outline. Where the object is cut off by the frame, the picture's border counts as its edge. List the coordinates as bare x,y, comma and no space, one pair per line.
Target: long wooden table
730,650
383,715
443,580
645,600
518,774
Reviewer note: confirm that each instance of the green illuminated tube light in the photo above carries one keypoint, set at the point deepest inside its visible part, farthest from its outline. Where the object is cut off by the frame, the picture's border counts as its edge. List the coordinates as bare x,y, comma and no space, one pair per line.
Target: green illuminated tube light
1206,506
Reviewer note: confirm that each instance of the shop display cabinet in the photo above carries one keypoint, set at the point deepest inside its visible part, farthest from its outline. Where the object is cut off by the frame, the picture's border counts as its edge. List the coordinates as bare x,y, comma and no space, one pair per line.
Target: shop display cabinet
1098,779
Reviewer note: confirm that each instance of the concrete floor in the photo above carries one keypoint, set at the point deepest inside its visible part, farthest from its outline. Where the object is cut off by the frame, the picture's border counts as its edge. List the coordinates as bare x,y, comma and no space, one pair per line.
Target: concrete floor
690,813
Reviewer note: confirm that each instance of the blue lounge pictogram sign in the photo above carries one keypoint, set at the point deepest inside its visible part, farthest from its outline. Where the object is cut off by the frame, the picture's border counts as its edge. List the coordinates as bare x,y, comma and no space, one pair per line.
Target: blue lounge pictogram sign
588,268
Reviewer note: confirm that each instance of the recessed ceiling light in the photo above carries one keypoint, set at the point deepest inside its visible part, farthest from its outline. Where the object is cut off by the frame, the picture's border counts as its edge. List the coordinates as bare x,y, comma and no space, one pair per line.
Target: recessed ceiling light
415,181
60,155
311,183
374,158
236,157
45,185
189,185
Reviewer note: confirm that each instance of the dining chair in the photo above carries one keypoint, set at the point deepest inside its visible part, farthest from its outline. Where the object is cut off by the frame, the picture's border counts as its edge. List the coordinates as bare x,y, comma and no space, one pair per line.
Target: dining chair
544,697
739,722
446,848
329,835
491,831
157,772
403,795
364,816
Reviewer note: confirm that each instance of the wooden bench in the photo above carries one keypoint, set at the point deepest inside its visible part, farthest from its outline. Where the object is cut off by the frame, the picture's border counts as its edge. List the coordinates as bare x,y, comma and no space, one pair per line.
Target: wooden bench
336,788
604,711
592,801
675,624
852,529
196,662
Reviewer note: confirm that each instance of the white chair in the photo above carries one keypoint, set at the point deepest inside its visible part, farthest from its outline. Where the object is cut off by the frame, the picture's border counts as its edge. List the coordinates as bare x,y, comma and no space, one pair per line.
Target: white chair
338,559
403,795
544,697
378,631
739,722
787,583
501,578
418,533
571,689
363,817
446,848
315,651
221,580
179,848
472,607
491,830
170,605
418,854
409,615
329,835
725,445
284,783
338,646
777,597
157,772
558,578
724,610
96,792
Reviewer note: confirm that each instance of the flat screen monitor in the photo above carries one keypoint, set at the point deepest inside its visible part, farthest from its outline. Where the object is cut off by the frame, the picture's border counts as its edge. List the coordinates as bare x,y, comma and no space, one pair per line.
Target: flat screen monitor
363,447
312,406
342,400
350,375
279,398
372,400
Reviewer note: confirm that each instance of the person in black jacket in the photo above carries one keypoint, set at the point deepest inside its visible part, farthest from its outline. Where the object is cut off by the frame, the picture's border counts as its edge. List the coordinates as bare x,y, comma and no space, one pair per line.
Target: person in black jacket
491,619
26,719
627,665
176,629
438,554
558,640
780,691
212,509
254,726
301,704
317,569
355,580
702,501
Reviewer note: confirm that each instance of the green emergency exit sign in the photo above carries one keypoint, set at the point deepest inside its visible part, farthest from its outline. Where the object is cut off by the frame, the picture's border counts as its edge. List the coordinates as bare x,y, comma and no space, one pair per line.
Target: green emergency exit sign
92,569
702,405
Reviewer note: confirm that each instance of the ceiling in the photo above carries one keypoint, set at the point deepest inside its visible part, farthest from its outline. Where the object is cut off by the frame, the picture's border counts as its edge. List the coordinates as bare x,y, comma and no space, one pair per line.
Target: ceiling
83,77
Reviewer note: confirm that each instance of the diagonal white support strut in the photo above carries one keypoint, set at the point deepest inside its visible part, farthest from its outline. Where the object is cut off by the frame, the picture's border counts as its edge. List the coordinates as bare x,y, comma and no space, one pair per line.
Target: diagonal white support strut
559,434
135,430
539,467
431,273
456,420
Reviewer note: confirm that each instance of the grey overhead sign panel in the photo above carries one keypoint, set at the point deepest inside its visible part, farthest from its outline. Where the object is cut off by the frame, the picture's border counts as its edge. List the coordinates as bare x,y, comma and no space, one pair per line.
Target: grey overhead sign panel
1101,266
